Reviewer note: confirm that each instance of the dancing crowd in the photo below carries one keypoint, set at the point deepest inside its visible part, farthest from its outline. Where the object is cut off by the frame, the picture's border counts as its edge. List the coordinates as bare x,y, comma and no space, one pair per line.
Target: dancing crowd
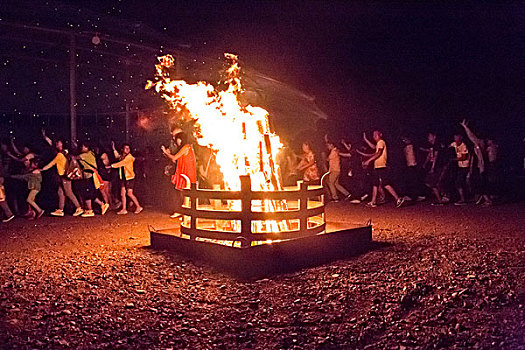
83,177
435,171
91,177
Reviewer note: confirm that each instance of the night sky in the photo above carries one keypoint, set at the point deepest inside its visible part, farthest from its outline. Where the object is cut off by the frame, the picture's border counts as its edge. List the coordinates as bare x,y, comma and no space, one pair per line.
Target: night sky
401,66
373,63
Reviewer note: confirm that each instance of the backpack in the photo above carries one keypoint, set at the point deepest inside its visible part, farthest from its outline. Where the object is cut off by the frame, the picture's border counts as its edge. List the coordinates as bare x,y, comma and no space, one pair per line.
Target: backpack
73,170
97,179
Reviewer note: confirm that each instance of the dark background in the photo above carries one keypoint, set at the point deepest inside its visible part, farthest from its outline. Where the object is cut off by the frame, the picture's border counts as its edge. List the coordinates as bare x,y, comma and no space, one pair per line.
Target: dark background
392,65
405,67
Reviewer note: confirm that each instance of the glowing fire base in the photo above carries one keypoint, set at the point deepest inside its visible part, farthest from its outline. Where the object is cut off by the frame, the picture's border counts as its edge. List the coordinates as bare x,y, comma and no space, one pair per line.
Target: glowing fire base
255,233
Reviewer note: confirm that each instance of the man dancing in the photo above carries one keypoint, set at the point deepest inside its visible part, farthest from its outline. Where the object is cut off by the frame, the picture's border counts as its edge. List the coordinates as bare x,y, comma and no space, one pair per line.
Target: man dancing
381,175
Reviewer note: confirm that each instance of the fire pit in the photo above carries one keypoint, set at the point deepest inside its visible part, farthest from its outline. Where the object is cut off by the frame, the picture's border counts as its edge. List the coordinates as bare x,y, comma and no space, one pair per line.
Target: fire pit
249,242
211,215
255,225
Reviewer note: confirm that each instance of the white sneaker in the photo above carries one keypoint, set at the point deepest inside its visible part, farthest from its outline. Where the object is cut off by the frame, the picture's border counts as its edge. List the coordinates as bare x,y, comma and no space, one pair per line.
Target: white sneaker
58,212
400,202
78,212
88,214
104,208
139,210
122,212
175,215
9,218
355,201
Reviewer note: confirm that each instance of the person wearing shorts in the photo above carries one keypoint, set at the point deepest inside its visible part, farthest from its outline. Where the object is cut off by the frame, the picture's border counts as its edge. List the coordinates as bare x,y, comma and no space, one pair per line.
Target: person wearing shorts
381,174
127,177
34,185
128,184
86,185
107,176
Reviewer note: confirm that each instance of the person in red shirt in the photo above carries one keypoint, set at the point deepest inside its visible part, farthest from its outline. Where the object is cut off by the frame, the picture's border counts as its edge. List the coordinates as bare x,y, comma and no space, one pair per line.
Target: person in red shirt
186,167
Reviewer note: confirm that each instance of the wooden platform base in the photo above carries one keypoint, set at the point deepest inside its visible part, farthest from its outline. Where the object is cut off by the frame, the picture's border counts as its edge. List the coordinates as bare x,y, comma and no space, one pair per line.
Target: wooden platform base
268,259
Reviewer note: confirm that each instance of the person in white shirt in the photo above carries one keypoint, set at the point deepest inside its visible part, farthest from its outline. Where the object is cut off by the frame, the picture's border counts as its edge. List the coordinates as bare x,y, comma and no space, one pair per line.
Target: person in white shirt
463,161
381,171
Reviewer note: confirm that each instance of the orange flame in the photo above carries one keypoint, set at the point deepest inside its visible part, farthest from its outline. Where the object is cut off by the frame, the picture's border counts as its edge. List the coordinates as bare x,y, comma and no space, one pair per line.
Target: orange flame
240,135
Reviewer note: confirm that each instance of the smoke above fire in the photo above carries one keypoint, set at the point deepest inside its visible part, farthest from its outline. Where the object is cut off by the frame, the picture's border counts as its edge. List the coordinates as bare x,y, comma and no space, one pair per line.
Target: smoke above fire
239,134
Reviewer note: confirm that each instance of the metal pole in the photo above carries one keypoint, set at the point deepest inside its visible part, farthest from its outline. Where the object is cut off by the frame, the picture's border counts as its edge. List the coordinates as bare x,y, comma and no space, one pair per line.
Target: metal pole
178,67
127,121
72,88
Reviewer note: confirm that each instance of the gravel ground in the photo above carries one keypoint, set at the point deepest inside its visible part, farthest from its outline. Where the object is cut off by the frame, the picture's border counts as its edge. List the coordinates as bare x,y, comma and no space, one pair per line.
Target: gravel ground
445,278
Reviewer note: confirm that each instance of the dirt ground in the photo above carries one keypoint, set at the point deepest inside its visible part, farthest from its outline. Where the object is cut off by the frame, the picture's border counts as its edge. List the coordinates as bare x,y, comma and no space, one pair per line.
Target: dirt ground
446,277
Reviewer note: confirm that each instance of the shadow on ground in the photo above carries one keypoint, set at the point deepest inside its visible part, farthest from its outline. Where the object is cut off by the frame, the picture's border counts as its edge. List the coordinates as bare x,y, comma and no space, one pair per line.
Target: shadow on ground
270,259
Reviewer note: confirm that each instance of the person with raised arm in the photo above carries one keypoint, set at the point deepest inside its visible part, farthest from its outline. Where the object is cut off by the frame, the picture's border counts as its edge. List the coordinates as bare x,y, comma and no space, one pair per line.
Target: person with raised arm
480,151
127,177
25,155
368,142
65,189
